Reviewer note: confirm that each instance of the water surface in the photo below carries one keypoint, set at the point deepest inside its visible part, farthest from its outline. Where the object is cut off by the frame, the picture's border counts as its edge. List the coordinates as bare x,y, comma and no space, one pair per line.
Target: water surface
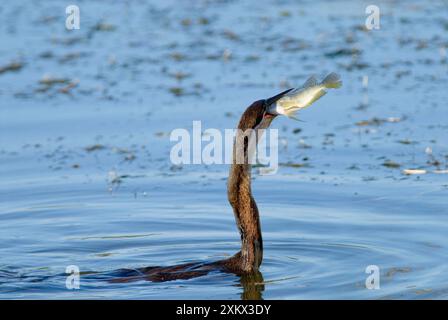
84,147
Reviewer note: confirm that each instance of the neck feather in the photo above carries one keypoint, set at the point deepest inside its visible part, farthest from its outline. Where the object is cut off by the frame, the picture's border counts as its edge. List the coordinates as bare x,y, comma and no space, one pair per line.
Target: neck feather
243,203
246,216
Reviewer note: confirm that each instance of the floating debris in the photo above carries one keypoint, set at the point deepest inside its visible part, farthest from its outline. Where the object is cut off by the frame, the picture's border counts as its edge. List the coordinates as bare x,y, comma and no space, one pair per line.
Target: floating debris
224,55
67,89
421,44
402,73
13,66
407,142
114,178
186,22
177,56
378,121
304,145
121,150
67,41
294,165
252,58
414,171
227,54
130,157
360,27
50,80
176,167
47,19
177,91
71,56
343,52
231,35
355,65
203,21
95,147
392,271
365,82
46,55
105,254
292,44
434,162
391,164
103,26
179,75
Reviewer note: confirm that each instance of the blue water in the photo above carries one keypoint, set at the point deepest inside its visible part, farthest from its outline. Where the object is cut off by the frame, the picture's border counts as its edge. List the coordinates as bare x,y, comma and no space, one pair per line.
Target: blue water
142,69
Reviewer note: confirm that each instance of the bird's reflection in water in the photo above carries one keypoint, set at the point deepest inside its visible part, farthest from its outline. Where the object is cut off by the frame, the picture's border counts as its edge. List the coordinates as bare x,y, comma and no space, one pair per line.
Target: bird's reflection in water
253,286
251,283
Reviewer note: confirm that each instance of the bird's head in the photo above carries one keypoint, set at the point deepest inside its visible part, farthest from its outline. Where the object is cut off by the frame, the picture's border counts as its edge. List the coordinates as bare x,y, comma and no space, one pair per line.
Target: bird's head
259,114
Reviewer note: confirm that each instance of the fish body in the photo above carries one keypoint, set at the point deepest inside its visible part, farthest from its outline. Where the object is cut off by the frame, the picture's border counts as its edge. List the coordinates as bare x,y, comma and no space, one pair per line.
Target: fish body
302,97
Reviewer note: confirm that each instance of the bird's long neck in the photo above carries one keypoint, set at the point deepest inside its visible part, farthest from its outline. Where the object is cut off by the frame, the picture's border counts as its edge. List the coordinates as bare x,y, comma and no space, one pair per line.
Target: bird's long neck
240,193
246,216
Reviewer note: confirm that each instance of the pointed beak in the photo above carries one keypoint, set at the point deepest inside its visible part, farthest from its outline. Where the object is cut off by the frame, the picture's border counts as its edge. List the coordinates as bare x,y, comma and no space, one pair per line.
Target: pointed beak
270,102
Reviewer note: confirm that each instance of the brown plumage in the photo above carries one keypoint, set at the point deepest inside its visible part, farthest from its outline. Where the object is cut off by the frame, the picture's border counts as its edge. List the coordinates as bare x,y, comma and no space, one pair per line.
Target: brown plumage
240,194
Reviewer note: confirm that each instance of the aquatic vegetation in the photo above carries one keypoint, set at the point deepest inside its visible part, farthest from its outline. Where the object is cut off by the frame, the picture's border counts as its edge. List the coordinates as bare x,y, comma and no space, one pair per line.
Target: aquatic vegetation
13,66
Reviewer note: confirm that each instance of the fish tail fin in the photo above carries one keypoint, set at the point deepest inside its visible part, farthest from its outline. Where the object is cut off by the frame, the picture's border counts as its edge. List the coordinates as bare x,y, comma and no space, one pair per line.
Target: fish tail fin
333,81
310,82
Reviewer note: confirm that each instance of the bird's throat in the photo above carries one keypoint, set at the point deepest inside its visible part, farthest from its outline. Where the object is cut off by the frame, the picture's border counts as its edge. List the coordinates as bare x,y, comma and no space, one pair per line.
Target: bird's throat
246,216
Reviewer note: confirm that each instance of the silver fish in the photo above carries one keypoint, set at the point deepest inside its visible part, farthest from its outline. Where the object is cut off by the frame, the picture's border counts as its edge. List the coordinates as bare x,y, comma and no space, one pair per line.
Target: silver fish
304,96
